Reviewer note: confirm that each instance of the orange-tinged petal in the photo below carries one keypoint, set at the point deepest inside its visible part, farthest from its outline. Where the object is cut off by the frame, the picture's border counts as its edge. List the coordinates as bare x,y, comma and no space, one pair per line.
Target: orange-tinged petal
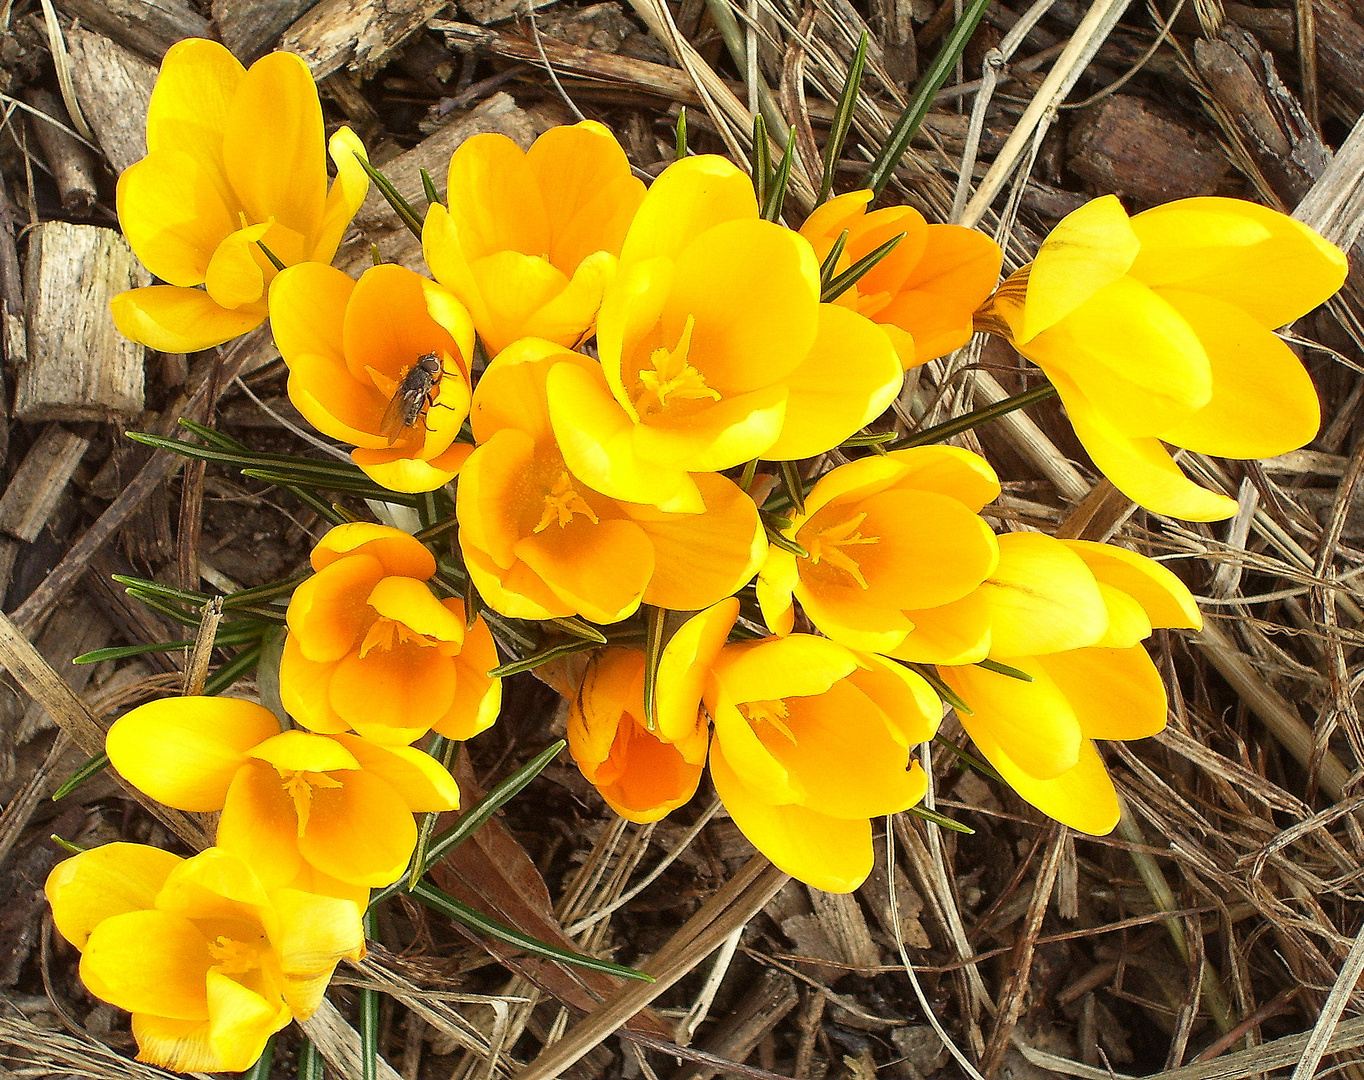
1166,600
852,618
777,579
655,779
393,695
566,317
612,681
273,150
761,771
511,392
398,552
492,502
494,201
184,751
303,689
260,823
1272,267
168,980
685,667
688,198
171,319
1042,598
1133,356
390,470
799,665
190,102
1033,722
699,559
597,441
422,782
307,310
335,402
1263,401
173,214
602,569
1141,469
849,377
953,277
909,703
1116,693
1091,248
410,602
234,278
824,852
516,591
361,832
329,612
103,882
388,325
888,276
1081,797
830,218
478,698
345,196
589,192
948,470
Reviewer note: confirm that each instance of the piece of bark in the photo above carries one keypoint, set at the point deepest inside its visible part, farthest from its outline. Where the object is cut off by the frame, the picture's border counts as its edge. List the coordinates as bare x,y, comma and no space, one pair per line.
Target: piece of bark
1242,79
148,27
114,86
33,491
70,160
250,28
79,367
358,34
1340,54
1131,146
846,926
376,222
484,12
761,1008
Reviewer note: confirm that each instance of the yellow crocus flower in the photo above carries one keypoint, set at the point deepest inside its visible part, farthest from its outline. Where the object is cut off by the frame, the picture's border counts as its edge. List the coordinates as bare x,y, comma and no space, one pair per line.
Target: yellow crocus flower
235,164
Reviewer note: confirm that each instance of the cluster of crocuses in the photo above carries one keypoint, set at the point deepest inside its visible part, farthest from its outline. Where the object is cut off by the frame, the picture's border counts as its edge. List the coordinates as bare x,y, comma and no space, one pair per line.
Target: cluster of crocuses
629,361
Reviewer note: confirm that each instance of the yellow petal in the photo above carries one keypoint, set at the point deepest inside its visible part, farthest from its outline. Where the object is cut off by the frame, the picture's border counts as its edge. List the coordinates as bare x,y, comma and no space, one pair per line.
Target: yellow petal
327,613
103,882
190,102
1263,262
799,665
511,392
397,552
824,852
685,667
422,782
240,1021
393,695
298,751
149,962
903,695
948,470
478,698
345,196
303,685
955,633
494,201
171,319
173,215
273,149
215,884
260,823
409,475
689,197
361,832
516,591
515,287
762,774
1033,722
1090,248
720,436
491,500
1166,600
1127,621
184,751
308,309
1263,401
1081,797
410,602
312,934
1042,598
612,681
602,570
852,617
777,578
1116,693
234,278
849,377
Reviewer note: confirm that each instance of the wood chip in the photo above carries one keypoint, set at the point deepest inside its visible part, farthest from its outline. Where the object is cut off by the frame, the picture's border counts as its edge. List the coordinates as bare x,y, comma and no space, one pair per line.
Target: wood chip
148,27
114,85
33,492
251,28
79,366
361,36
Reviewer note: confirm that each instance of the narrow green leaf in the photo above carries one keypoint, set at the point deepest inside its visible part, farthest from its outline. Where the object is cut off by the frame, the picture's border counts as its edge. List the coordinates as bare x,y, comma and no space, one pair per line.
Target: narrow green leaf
473,603
530,663
438,529
861,440
940,820
843,117
401,206
67,845
212,437
93,767
941,688
309,1061
233,670
750,471
970,760
369,1020
681,135
274,260
792,484
881,170
575,626
776,194
169,592
1004,669
308,470
261,1069
656,623
364,488
830,263
762,159
779,539
444,751
260,593
123,652
857,271
976,417
429,189
446,904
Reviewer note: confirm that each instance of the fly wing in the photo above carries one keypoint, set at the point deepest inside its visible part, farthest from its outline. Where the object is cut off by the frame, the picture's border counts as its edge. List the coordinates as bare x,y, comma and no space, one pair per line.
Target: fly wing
395,415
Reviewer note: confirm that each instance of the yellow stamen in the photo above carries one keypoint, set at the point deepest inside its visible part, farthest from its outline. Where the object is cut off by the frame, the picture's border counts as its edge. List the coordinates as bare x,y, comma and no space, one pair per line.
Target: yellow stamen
385,633
828,543
773,713
299,785
561,502
233,957
672,378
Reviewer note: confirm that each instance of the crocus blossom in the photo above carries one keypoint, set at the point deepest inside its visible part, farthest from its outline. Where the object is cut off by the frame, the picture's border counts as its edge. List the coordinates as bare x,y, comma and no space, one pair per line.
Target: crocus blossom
539,543
235,173
339,804
209,961
924,293
370,648
1157,329
884,536
715,349
356,353
1072,619
528,241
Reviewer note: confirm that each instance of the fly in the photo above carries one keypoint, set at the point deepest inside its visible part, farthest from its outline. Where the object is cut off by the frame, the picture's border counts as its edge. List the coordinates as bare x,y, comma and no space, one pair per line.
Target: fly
411,398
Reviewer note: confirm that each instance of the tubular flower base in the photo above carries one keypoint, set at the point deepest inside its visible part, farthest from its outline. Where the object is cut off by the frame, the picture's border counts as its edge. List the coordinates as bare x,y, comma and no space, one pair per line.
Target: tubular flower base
529,240
539,543
714,349
1091,677
371,649
885,536
209,961
355,352
235,168
924,293
1158,329
321,806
